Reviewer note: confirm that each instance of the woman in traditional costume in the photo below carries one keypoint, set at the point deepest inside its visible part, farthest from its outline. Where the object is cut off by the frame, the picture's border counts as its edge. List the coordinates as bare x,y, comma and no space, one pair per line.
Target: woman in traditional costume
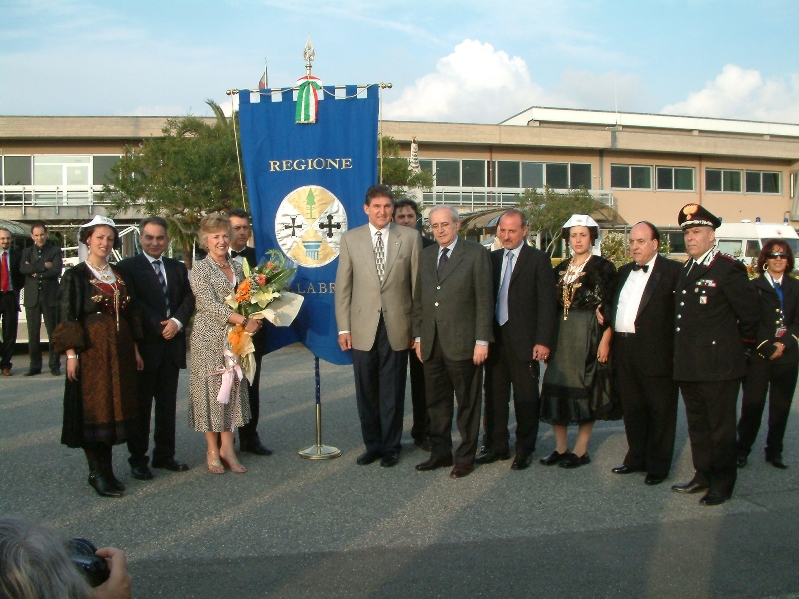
576,386
97,330
217,389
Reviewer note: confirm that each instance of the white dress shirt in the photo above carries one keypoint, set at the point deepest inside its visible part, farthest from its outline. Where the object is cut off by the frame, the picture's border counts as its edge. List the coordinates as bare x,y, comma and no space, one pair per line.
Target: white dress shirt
630,298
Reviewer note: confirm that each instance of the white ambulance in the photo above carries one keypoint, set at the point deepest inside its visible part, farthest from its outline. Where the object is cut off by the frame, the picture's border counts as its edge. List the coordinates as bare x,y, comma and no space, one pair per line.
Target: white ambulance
745,239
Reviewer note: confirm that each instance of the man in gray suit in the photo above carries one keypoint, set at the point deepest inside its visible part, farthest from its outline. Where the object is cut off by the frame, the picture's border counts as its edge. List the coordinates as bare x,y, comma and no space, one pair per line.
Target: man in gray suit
452,326
375,286
41,265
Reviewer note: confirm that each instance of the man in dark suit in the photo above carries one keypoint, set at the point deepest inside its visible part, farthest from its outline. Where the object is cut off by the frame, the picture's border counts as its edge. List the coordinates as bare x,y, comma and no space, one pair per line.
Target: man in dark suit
524,318
160,287
375,287
11,281
452,324
406,213
643,355
41,265
249,440
717,313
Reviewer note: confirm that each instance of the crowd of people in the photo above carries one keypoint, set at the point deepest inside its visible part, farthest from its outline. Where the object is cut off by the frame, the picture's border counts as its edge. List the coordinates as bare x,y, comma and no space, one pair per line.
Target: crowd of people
474,326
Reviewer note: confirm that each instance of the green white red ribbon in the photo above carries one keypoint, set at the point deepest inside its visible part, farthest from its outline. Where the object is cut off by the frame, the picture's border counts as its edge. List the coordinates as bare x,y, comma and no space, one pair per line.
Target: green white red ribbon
307,99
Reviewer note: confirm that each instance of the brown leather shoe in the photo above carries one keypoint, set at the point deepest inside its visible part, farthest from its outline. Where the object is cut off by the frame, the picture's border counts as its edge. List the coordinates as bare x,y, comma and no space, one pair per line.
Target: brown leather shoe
434,463
6,372
460,470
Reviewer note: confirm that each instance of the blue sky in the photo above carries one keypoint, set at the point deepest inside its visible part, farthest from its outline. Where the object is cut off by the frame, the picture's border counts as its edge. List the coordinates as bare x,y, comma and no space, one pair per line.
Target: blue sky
464,61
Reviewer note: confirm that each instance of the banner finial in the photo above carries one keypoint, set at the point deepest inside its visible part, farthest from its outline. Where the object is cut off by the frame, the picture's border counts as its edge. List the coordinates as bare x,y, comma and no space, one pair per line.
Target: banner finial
309,55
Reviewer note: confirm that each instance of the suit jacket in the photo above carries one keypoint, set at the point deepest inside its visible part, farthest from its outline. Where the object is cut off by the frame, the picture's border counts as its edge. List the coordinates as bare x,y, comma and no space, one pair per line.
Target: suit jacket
459,307
249,255
44,286
654,322
770,317
532,302
717,312
360,298
145,290
17,278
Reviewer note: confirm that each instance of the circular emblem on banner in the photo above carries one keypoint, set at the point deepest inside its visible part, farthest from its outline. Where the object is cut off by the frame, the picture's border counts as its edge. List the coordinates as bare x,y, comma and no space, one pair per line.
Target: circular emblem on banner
308,225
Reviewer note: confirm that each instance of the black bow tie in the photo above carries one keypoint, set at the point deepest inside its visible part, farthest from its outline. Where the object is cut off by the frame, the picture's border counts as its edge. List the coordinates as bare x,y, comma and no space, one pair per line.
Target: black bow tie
234,253
637,266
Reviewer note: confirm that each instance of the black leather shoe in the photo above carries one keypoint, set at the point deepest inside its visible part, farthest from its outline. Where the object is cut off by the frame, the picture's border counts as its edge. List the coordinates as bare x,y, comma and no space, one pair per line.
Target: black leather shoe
623,469
171,464
103,486
434,463
390,458
141,472
713,498
572,460
740,461
521,461
553,458
55,372
492,456
33,372
689,487
653,479
776,461
368,456
255,447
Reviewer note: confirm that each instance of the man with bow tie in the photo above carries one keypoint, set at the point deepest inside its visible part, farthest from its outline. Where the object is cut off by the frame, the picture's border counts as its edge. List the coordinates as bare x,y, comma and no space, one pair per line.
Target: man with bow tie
717,314
643,355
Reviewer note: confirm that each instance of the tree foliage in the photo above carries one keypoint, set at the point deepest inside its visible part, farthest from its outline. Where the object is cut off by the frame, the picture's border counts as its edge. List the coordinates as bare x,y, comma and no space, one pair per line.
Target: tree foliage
190,171
614,247
397,172
546,212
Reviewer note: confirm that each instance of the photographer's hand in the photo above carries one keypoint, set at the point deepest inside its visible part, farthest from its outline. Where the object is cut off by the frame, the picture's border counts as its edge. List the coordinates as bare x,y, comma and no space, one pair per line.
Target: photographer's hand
118,584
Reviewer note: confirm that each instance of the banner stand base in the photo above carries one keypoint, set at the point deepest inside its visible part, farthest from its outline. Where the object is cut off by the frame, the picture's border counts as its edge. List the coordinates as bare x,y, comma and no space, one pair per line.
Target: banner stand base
319,451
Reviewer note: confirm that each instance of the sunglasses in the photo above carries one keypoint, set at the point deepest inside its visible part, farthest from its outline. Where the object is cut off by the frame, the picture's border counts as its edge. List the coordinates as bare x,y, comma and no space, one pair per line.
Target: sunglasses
777,255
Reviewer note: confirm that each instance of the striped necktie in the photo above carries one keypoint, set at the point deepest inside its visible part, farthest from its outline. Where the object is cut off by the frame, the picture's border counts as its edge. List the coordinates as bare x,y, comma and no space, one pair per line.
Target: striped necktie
162,281
380,256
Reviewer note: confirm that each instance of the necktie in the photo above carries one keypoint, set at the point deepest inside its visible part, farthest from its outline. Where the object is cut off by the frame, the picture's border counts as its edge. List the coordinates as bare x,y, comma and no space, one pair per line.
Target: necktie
502,300
637,266
778,289
380,255
162,281
442,262
234,253
5,284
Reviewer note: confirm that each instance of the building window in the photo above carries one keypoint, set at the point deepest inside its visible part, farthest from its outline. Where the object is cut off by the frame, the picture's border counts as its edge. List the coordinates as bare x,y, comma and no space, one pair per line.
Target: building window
557,175
723,180
101,169
532,175
628,176
579,176
448,173
507,173
669,177
17,170
473,173
61,170
762,182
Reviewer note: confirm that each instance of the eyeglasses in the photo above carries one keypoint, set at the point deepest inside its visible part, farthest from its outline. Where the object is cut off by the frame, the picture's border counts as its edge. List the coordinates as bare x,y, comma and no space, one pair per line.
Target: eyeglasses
442,226
777,255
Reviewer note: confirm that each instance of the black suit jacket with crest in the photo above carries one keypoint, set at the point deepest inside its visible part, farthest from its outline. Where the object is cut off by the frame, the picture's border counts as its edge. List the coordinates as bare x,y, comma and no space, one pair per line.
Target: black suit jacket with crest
770,316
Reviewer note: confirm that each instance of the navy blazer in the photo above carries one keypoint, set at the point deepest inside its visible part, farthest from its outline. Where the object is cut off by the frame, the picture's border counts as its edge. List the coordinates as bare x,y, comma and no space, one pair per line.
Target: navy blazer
772,316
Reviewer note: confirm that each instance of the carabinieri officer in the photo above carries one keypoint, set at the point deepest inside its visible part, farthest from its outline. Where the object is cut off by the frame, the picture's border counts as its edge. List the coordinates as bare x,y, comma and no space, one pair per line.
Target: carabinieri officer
716,316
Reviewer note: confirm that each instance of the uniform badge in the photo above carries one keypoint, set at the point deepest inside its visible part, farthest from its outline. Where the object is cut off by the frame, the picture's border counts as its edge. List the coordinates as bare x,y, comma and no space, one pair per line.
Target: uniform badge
702,299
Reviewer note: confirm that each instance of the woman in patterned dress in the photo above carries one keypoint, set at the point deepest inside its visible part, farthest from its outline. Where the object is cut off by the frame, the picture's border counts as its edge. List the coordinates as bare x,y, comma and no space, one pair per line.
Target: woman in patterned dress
211,410
576,387
97,329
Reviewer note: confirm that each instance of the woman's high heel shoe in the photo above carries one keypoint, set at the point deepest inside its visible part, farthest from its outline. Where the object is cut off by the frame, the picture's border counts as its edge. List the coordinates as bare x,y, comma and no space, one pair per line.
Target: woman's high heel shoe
234,466
215,463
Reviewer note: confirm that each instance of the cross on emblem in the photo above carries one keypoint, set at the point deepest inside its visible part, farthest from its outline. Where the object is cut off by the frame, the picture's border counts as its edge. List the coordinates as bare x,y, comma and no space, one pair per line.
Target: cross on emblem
293,226
330,226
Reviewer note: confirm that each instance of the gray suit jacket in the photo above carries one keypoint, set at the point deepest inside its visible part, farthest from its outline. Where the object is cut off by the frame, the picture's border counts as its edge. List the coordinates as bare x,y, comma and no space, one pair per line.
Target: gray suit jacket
41,283
359,296
459,307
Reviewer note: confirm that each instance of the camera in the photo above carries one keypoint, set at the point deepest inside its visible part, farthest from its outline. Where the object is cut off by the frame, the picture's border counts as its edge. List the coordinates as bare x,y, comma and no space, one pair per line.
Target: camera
82,554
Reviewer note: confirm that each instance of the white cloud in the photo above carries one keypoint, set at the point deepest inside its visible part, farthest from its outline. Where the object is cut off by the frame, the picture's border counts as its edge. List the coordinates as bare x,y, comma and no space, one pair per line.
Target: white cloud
743,94
603,91
475,83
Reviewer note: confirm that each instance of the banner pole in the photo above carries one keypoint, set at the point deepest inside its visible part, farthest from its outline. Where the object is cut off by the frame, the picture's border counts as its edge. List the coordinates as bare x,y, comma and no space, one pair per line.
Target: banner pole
319,451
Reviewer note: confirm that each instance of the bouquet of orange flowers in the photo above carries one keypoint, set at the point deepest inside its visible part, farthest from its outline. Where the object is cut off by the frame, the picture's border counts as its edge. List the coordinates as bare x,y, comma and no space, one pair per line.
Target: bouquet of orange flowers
260,295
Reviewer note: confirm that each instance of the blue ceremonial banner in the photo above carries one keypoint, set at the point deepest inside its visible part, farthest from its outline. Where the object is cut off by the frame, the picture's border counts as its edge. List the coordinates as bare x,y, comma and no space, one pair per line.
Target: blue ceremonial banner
306,185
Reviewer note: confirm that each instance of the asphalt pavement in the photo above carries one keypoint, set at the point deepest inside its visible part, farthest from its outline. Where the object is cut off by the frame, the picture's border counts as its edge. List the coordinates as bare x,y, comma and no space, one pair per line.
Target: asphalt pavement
295,528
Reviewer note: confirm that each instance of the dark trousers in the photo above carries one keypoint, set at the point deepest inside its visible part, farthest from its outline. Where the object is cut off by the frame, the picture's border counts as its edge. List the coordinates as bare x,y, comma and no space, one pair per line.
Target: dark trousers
710,409
443,377
9,312
249,432
380,376
159,385
780,382
649,404
421,420
503,370
34,315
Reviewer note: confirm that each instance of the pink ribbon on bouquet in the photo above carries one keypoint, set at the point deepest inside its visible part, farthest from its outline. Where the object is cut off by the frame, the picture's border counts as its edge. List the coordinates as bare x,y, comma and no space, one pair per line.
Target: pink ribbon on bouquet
229,373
